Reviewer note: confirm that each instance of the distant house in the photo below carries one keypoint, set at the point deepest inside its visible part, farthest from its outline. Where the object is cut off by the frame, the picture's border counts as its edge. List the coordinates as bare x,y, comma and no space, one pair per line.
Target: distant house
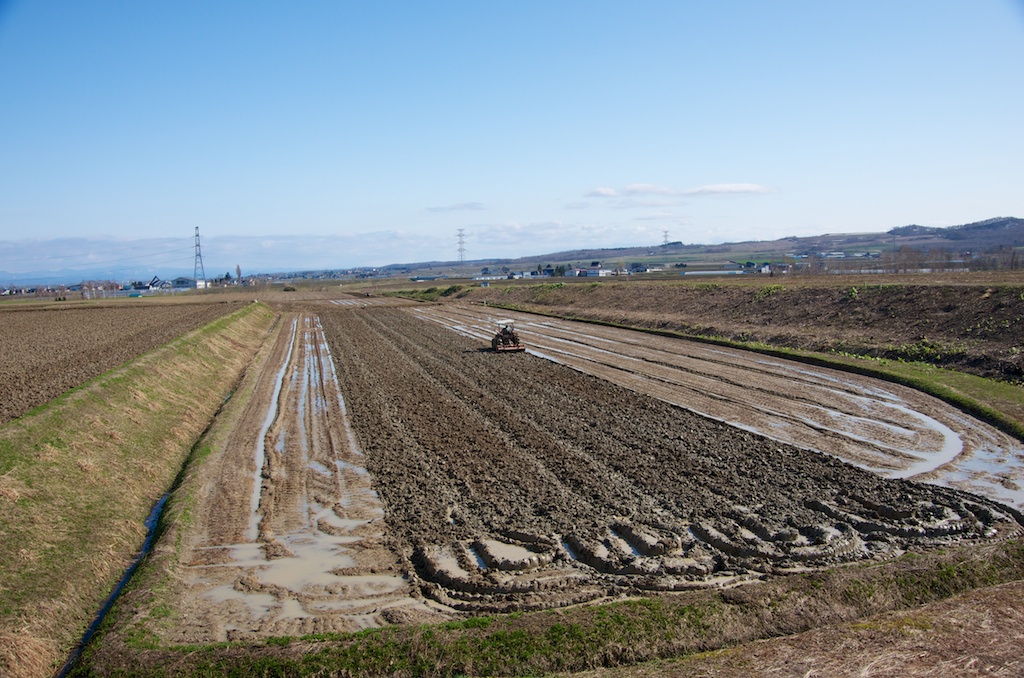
183,283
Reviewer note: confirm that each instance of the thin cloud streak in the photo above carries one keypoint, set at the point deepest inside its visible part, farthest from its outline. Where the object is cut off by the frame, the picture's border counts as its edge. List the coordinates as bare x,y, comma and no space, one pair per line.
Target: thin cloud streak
459,207
633,190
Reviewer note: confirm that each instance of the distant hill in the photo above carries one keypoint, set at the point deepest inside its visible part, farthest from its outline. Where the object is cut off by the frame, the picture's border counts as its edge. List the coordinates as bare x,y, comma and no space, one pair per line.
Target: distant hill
974,237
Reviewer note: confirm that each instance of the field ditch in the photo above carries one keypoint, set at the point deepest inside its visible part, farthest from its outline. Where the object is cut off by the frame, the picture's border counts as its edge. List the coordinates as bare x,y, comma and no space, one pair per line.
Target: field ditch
80,475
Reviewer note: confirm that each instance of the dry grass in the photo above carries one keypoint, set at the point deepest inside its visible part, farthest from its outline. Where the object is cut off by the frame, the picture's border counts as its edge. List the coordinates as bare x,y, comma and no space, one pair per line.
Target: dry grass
25,656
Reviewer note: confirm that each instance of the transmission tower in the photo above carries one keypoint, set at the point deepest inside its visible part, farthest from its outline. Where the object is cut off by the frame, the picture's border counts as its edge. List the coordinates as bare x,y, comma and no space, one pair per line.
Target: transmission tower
199,273
664,237
462,246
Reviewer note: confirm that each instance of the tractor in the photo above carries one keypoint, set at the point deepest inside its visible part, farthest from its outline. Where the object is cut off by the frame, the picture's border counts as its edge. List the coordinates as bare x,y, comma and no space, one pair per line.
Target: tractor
507,339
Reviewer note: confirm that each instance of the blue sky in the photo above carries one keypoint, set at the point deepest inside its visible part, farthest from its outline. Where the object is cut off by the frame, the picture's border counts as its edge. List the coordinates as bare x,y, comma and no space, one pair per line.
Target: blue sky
338,134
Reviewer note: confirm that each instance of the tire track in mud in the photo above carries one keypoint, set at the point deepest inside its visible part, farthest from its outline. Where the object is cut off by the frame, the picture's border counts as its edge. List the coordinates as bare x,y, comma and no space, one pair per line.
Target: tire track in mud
292,538
510,482
887,428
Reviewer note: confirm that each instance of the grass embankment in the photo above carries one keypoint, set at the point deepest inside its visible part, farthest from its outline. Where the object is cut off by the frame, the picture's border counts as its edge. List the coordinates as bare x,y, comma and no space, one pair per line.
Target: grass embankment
610,634
429,293
79,475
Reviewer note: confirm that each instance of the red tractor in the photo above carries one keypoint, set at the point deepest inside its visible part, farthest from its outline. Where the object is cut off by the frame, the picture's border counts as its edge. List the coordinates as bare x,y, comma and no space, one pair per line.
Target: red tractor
507,339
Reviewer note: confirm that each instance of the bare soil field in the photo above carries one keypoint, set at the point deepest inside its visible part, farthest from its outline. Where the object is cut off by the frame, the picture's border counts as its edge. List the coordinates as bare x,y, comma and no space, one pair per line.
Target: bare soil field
519,485
386,469
416,476
887,428
45,351
973,323
290,537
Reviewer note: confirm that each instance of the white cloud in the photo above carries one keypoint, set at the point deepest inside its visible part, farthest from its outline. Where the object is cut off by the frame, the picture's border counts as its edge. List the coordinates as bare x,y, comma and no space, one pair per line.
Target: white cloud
515,239
633,203
655,190
660,216
727,189
458,207
649,189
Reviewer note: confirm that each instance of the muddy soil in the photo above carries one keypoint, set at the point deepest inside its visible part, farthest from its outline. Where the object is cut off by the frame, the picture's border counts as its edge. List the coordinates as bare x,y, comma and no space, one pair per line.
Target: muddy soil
883,427
46,351
290,537
512,482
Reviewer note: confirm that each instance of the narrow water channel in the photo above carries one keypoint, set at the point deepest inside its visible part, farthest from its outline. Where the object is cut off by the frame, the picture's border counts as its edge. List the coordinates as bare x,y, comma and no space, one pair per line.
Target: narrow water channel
151,522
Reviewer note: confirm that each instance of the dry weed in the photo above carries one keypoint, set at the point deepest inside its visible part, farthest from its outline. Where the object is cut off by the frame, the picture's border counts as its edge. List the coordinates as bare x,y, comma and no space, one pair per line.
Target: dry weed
23,655
12,489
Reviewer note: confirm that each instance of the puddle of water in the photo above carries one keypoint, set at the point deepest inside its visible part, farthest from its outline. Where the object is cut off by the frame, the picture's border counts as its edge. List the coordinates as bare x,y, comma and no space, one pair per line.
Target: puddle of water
448,563
292,609
259,604
320,468
316,554
568,549
1000,475
328,517
623,544
253,532
349,466
480,562
516,557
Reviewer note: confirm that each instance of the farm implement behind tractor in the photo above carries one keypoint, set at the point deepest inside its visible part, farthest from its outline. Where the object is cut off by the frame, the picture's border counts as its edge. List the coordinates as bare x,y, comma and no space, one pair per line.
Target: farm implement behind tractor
507,339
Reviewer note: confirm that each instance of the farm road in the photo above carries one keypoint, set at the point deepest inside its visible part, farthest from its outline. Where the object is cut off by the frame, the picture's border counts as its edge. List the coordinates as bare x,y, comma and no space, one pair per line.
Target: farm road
895,431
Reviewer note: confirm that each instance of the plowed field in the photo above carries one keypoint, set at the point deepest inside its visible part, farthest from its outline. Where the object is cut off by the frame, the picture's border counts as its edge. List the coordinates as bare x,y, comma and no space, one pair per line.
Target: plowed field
389,469
890,429
45,352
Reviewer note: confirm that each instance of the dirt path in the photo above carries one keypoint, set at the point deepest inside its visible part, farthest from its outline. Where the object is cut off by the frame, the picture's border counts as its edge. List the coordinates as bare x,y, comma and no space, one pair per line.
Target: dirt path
892,430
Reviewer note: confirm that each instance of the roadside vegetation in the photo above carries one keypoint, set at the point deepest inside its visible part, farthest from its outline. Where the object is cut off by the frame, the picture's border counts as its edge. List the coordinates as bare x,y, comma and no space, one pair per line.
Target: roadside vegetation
430,293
